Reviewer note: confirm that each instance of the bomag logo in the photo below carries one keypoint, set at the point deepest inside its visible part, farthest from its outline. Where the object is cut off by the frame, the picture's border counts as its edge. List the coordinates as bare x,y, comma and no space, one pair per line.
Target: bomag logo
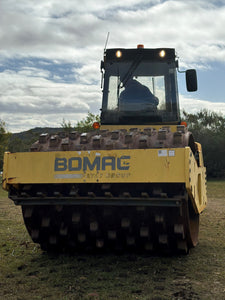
99,163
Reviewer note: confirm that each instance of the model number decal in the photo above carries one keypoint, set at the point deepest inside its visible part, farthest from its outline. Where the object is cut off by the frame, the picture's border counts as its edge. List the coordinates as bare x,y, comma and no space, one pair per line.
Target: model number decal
99,163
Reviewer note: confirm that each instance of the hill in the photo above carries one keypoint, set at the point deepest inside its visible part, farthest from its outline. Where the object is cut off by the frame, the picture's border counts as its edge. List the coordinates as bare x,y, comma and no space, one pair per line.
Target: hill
21,141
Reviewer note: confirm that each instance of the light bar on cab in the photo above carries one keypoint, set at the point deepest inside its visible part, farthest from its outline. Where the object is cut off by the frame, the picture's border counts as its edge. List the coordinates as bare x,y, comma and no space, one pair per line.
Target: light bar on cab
162,53
118,53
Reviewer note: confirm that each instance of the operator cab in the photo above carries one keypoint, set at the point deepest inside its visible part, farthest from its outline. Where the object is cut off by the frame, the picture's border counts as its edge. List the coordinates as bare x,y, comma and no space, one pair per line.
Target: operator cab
140,87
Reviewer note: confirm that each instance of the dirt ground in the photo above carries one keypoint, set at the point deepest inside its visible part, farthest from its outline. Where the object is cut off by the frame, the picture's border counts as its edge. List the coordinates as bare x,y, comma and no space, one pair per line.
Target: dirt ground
28,273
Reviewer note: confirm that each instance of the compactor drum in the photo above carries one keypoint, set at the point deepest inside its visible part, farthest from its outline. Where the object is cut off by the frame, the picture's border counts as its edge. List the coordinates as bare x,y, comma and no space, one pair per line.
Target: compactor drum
138,183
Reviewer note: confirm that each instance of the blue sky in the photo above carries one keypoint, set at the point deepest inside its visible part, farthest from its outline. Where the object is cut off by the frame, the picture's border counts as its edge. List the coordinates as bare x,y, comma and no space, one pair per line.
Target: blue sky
51,50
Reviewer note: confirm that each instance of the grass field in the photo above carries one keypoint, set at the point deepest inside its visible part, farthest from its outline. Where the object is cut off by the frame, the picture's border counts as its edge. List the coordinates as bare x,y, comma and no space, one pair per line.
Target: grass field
28,273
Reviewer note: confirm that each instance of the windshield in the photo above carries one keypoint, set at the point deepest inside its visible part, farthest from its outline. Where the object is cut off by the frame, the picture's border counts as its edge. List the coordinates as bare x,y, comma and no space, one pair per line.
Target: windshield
146,95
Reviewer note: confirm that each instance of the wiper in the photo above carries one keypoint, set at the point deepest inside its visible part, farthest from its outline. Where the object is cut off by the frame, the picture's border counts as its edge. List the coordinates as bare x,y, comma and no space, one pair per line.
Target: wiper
131,70
129,74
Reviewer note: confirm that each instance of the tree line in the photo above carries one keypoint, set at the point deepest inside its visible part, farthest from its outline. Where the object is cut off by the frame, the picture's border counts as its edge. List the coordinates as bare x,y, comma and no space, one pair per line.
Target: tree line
207,127
4,140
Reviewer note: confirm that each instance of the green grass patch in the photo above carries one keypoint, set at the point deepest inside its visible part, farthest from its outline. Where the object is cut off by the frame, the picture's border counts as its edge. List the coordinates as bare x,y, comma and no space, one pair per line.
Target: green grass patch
3,194
216,188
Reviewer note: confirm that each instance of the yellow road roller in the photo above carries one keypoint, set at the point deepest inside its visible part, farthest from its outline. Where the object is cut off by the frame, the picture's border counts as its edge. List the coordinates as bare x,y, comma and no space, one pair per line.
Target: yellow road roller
135,183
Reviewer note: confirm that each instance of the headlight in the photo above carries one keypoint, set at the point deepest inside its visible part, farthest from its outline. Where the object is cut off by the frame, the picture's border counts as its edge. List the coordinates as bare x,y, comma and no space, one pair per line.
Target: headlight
118,54
162,53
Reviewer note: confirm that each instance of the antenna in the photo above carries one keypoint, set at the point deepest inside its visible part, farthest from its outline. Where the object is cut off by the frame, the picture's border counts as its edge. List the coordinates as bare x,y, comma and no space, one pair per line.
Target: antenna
102,62
106,42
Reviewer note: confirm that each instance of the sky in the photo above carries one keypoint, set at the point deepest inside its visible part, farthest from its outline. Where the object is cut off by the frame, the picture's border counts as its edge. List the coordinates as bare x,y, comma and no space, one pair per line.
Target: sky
50,53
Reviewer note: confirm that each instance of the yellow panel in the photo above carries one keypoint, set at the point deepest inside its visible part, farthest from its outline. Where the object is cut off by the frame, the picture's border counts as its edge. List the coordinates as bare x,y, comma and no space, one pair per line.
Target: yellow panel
177,165
139,165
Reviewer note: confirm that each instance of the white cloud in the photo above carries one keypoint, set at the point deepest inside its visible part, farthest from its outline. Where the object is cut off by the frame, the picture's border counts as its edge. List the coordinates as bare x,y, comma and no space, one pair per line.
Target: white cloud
56,32
52,28
32,101
191,105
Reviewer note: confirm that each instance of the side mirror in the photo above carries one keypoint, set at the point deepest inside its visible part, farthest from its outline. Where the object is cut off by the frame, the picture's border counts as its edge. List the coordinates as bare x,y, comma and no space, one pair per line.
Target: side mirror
191,80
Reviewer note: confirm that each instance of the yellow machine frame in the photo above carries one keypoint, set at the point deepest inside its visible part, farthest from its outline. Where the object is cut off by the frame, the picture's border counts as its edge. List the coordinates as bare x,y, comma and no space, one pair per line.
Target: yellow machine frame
176,165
